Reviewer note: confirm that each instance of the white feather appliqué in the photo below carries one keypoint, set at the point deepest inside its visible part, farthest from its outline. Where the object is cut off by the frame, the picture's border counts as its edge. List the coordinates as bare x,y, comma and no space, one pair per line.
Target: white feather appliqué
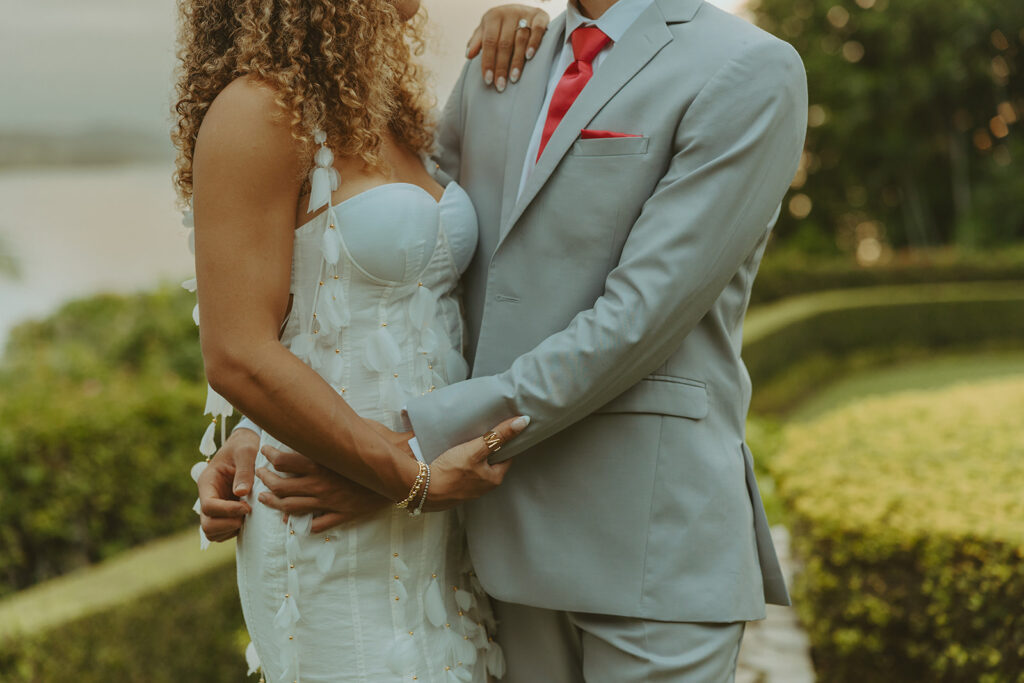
434,604
252,659
208,446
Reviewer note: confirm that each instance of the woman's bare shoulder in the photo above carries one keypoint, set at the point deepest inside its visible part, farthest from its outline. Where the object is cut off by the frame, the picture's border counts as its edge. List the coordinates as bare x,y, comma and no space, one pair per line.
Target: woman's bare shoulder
244,127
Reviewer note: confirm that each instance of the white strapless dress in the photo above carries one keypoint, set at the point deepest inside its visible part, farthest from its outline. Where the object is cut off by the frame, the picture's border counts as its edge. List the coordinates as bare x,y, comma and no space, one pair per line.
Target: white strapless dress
374,312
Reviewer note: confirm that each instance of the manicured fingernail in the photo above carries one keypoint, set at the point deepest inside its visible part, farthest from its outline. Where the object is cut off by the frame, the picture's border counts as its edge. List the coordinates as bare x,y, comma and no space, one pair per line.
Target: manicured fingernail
521,423
262,498
514,76
241,490
500,85
467,52
530,52
489,77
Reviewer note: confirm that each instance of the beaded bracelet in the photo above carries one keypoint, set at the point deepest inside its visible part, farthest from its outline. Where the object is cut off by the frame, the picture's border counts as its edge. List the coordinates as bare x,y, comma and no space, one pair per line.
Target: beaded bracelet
424,471
426,489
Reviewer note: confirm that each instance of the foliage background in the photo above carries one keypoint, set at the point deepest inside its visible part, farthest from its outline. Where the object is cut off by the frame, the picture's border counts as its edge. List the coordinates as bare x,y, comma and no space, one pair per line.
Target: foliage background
914,135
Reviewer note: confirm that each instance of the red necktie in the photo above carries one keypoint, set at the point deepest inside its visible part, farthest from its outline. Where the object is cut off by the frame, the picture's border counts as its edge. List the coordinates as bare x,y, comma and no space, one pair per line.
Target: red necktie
587,42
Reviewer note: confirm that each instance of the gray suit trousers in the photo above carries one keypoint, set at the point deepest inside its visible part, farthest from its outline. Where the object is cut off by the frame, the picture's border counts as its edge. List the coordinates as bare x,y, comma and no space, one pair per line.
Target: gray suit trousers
552,646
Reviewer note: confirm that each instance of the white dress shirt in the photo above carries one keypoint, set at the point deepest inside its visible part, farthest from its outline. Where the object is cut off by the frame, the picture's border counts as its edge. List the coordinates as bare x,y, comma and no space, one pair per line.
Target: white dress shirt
614,23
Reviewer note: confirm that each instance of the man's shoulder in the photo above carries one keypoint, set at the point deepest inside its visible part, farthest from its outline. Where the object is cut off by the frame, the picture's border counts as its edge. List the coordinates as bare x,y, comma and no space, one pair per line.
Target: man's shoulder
716,37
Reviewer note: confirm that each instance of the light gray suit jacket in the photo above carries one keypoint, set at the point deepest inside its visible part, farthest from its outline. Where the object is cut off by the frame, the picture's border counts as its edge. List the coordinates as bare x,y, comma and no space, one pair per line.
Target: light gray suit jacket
607,303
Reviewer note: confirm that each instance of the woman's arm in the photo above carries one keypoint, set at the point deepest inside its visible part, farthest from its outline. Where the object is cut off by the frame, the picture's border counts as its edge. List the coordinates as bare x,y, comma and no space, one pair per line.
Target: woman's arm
247,183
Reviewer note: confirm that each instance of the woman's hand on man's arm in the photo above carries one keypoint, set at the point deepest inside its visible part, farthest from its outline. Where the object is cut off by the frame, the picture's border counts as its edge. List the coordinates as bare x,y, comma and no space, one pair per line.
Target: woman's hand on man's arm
460,474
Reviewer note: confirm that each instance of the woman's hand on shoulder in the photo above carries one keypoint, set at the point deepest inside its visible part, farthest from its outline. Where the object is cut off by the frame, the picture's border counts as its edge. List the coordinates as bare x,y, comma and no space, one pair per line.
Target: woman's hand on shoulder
505,46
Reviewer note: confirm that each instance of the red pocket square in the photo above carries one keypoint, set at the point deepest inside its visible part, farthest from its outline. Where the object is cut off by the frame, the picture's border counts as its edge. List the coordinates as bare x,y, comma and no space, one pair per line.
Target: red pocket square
587,134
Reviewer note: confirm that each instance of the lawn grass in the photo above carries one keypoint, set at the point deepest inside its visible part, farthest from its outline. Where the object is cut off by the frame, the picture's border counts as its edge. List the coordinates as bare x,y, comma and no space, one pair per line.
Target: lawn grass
129,576
933,373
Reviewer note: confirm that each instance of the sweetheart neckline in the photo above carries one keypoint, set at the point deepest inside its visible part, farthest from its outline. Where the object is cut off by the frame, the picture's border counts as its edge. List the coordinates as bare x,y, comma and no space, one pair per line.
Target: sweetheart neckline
413,186
301,231
375,189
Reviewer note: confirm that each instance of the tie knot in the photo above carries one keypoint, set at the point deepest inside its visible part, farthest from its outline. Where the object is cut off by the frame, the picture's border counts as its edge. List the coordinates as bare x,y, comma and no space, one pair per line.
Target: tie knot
587,42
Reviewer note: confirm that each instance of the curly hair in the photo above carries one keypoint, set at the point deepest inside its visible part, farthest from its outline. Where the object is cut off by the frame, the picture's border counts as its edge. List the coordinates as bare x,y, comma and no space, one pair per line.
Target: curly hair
346,67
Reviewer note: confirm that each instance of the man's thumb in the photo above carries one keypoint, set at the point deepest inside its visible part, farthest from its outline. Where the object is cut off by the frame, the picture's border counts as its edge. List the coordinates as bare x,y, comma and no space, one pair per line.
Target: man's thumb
245,473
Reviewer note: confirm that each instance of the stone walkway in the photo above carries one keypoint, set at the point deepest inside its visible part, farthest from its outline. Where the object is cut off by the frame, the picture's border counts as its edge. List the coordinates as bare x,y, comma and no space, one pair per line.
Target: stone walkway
776,650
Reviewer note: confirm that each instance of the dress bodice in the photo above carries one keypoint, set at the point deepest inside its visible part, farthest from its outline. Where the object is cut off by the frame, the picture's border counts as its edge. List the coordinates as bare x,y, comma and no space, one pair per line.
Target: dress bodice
374,310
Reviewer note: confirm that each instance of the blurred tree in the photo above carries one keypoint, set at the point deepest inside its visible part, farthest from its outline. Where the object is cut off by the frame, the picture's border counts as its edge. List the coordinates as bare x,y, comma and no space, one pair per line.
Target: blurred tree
913,135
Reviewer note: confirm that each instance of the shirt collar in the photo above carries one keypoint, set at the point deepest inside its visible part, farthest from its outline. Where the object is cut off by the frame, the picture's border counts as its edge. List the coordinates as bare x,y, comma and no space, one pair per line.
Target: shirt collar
614,22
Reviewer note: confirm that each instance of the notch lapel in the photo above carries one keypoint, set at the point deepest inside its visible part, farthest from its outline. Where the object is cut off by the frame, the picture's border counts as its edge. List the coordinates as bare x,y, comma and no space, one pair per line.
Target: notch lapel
527,100
638,46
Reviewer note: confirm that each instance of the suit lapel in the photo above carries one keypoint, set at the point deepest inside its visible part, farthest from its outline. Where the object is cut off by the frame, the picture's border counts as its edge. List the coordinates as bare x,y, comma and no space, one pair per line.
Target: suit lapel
638,46
528,98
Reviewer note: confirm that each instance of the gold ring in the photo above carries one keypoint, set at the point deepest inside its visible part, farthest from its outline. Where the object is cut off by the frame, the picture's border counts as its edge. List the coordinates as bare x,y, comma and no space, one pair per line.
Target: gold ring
523,23
493,442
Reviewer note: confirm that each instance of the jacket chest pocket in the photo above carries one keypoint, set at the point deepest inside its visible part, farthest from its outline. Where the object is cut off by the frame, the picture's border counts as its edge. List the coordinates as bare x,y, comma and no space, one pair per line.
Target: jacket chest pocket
610,147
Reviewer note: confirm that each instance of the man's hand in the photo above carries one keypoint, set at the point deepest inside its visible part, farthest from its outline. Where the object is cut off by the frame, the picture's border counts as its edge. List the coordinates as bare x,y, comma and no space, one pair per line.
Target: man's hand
228,477
463,473
314,489
505,45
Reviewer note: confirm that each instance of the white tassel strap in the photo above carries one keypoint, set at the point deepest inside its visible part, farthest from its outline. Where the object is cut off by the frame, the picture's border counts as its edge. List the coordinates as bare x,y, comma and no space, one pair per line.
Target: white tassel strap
198,469
495,660
204,542
252,659
323,178
330,244
208,446
217,405
188,221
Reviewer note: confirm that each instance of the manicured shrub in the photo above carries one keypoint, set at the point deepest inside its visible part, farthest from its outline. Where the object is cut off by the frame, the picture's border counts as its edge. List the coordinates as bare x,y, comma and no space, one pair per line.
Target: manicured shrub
797,344
908,515
100,415
785,273
148,332
90,469
192,631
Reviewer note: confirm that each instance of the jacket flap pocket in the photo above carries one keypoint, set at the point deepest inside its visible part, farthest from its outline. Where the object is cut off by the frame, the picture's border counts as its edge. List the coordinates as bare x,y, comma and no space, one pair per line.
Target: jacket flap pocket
600,147
662,395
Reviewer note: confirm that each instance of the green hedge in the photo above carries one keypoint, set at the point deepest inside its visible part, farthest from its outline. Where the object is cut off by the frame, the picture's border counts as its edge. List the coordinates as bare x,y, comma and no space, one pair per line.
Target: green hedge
794,345
149,333
163,613
907,510
100,416
785,273
89,472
